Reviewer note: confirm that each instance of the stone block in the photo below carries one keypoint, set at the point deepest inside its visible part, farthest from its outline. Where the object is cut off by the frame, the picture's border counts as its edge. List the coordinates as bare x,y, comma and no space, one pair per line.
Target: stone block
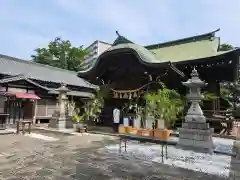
69,123
195,125
236,148
53,122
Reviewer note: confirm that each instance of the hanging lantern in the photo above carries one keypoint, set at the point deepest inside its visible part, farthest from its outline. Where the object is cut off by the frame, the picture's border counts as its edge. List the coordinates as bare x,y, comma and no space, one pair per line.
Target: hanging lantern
125,96
141,92
130,96
135,95
115,95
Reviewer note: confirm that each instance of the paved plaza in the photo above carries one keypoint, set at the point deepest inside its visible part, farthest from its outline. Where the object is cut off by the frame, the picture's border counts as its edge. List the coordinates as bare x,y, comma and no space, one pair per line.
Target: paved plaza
54,156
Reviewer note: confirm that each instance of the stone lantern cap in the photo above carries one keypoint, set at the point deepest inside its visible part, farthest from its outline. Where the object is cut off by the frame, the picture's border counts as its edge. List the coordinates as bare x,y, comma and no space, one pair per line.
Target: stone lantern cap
63,88
194,81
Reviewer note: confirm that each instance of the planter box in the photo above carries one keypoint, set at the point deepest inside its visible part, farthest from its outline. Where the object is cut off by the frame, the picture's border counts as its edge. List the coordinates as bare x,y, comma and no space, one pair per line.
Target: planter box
121,129
163,134
139,132
151,131
79,127
146,132
134,131
128,129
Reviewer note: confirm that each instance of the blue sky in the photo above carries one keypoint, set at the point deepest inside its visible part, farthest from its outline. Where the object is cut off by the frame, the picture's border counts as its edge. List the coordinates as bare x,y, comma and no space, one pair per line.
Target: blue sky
28,24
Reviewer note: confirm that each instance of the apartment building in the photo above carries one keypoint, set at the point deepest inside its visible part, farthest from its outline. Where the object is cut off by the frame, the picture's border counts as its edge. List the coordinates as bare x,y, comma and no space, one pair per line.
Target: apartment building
94,50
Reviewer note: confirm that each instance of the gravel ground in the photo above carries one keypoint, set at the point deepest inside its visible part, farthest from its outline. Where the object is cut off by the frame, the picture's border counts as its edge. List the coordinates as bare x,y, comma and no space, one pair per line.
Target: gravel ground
79,157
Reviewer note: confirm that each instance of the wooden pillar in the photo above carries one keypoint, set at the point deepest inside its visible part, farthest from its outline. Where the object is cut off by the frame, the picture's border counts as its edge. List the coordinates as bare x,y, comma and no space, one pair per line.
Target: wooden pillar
218,105
34,111
236,67
46,107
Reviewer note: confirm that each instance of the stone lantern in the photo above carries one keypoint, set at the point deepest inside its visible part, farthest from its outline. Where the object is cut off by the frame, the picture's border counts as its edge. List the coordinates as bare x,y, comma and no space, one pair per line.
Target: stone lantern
195,132
62,98
194,97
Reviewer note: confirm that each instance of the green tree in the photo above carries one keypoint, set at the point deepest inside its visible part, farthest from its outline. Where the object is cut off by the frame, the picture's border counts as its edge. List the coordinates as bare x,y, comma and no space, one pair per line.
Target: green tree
60,53
225,47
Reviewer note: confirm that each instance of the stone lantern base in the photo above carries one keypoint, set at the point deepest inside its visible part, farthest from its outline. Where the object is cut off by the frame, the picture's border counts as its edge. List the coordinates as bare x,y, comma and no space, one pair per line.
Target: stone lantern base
60,122
196,136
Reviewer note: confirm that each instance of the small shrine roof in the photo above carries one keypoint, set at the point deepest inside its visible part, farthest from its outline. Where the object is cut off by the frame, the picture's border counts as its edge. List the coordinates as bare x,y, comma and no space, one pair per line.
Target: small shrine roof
34,71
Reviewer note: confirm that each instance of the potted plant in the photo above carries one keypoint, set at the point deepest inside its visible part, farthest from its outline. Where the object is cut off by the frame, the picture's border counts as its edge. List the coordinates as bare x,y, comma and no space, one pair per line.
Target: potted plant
78,123
163,105
93,106
140,113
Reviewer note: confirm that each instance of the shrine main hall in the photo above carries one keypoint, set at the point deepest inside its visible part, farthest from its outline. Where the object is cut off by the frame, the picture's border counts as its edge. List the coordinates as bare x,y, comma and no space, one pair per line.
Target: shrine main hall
130,69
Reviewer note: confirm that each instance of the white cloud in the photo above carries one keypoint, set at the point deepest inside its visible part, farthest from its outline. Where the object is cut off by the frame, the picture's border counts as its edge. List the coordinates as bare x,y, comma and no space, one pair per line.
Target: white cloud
153,21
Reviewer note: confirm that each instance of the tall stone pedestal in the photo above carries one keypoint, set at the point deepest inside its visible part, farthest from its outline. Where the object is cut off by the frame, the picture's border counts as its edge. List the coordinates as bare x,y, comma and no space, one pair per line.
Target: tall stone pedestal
196,136
61,124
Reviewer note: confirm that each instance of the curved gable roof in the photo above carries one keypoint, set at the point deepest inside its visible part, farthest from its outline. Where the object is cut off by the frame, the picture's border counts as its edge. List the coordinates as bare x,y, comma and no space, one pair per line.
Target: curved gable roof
144,54
122,44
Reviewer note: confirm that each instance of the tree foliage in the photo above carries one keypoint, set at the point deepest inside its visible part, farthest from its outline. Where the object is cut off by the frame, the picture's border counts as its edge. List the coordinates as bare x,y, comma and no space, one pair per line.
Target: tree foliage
164,104
93,106
209,96
60,53
225,47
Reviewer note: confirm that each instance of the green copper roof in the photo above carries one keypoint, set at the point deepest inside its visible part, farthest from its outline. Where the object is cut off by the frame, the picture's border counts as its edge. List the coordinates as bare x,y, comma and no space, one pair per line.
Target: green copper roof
122,44
188,51
144,54
190,48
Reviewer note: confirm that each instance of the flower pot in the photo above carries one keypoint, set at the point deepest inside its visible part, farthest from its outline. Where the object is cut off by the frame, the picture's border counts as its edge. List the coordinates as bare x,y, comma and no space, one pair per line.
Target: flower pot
163,134
78,127
146,132
139,132
151,132
134,131
128,129
121,129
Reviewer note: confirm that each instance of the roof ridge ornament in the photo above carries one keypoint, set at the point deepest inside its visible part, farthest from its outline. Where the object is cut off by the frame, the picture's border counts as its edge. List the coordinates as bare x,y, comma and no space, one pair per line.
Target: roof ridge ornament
118,33
194,72
121,40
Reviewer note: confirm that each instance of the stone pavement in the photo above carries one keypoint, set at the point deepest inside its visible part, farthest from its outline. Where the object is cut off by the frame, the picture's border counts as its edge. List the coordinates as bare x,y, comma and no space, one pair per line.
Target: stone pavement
78,157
